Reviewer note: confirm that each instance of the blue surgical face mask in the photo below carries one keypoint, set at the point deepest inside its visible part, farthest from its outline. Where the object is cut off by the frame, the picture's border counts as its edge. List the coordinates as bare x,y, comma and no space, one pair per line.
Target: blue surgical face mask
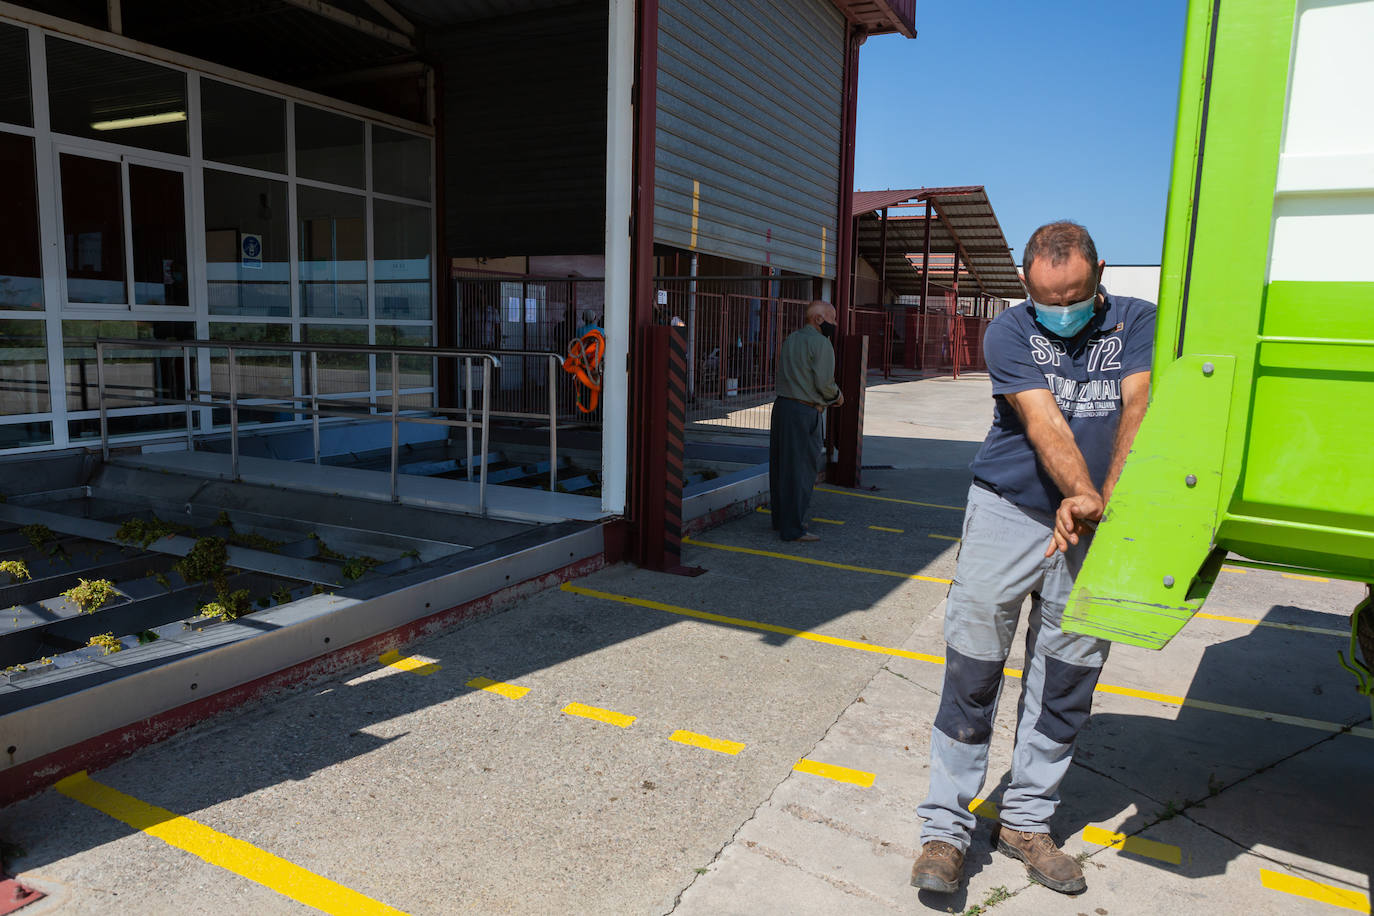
1065,320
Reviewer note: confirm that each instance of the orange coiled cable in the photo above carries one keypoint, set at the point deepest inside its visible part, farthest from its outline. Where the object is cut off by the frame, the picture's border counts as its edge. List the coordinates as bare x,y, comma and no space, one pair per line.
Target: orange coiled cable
583,363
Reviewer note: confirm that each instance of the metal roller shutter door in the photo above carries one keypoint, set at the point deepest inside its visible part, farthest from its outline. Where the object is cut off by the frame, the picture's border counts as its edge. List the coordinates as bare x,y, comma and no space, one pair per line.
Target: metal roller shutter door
748,133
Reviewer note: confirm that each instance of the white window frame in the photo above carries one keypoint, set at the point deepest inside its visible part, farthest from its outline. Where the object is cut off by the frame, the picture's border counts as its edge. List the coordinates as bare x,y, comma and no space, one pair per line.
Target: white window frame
48,147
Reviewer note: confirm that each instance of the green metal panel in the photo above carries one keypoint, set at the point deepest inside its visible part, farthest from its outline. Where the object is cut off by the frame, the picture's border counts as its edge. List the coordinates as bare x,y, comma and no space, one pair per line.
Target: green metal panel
1275,438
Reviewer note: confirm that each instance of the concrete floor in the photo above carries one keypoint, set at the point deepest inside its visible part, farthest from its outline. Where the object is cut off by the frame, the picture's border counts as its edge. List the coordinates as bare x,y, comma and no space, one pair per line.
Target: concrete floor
417,790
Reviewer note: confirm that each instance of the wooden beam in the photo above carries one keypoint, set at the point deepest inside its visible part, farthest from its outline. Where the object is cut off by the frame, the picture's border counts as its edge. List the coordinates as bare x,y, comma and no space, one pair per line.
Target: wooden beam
391,15
357,23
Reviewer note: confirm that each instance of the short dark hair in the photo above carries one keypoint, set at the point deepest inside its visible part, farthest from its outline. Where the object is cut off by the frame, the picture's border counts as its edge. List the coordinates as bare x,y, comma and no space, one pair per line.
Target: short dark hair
1057,241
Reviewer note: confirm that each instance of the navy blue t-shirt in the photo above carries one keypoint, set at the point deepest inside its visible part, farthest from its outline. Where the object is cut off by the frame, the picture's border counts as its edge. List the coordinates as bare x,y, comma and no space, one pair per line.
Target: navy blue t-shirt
1084,373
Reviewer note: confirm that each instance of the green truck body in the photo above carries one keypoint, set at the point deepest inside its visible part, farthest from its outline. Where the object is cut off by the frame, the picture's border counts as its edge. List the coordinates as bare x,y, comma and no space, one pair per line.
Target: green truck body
1258,439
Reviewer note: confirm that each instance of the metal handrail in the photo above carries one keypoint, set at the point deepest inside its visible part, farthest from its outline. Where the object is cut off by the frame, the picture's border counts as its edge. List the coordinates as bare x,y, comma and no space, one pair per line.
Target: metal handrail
319,404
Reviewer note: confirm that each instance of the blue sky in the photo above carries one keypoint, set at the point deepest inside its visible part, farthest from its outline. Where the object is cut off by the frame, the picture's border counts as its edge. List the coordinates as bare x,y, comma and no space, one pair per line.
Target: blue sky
1061,108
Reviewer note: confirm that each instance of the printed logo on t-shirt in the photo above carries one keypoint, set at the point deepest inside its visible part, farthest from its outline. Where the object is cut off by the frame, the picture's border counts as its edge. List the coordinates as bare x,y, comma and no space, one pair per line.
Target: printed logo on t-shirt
1093,398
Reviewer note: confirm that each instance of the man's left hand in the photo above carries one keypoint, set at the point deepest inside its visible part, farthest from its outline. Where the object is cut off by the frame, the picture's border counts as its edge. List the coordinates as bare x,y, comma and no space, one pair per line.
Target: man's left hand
1077,515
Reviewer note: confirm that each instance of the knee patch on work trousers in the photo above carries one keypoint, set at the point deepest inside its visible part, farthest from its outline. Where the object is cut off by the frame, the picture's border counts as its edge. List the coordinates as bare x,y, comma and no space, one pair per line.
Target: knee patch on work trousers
969,697
1066,699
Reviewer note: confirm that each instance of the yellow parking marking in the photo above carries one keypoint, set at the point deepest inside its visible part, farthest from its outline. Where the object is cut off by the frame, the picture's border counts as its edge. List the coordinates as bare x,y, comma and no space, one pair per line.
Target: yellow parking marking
823,521
1324,631
500,688
1302,578
610,717
1315,890
944,537
412,664
890,499
837,773
890,530
1235,569
243,859
1133,844
719,745
752,624
813,562
984,808
1164,698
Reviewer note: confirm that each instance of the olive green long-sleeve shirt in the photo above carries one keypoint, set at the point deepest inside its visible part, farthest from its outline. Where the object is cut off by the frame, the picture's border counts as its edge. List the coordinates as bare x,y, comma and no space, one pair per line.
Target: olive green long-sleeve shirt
806,367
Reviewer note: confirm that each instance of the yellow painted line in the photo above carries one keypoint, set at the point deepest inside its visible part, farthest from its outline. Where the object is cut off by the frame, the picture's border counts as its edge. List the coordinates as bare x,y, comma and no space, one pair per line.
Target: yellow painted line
837,773
824,231
696,211
890,499
1164,698
984,808
1133,844
1235,569
711,744
412,664
813,562
1302,578
243,859
752,624
944,537
824,521
891,530
610,717
500,688
1325,631
1315,890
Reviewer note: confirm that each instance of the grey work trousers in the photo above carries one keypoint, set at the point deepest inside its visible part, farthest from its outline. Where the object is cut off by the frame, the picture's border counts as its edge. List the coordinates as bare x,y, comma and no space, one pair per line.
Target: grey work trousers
794,460
1001,561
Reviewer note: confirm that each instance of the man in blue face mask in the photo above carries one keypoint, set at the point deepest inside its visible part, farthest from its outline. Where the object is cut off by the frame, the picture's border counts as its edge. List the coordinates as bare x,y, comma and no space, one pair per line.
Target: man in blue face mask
1070,372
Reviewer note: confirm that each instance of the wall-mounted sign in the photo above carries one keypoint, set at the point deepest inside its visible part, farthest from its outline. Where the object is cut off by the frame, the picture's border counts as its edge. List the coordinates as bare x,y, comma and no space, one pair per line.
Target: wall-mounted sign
250,251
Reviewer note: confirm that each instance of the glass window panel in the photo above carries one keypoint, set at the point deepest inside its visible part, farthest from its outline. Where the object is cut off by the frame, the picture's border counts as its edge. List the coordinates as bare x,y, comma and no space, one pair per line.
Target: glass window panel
400,246
415,371
93,229
116,98
338,372
23,368
133,377
15,107
24,435
329,147
333,255
242,127
247,251
400,163
21,280
157,210
261,373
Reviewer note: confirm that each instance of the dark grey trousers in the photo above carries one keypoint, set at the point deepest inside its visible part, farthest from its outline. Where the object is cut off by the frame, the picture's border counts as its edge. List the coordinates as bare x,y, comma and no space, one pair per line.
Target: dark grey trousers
794,460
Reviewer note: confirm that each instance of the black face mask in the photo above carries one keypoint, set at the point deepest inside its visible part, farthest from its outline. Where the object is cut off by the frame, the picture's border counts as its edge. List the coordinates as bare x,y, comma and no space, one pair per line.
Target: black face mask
828,328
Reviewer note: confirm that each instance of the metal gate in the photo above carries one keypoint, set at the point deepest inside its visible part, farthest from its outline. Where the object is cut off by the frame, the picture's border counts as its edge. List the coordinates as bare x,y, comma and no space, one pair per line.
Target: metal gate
748,139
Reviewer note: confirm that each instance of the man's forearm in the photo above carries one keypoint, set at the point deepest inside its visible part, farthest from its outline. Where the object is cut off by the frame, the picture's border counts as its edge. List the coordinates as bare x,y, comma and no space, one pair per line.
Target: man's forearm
1059,455
1131,417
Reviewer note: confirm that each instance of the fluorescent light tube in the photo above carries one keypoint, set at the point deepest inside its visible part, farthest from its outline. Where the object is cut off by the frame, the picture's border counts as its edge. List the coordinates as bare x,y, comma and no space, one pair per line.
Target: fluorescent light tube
166,117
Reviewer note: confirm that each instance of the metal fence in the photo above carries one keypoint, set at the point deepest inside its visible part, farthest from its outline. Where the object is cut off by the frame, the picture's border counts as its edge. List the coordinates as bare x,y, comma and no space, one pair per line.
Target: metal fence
266,383
943,342
877,325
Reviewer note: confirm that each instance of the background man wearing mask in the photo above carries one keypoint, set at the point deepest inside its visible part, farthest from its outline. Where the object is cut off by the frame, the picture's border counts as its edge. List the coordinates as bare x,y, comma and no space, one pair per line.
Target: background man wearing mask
805,386
1070,374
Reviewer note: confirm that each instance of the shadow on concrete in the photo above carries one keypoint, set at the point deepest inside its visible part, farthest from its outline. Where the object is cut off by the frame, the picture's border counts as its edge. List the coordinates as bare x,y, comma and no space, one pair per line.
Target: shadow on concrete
289,735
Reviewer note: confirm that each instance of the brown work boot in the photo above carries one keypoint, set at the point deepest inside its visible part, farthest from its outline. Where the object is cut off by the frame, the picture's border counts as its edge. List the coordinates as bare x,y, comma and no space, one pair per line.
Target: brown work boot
1046,862
939,868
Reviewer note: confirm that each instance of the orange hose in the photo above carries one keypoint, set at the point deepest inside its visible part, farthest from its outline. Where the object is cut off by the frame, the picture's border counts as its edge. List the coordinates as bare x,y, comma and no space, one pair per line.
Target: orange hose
583,363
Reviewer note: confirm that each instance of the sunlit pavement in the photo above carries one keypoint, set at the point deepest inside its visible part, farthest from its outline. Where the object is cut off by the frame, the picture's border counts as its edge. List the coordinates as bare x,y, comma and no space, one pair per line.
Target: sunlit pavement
749,741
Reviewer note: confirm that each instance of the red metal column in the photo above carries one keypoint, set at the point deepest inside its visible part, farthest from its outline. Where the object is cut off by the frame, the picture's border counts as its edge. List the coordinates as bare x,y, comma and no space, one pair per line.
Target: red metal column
925,264
844,425
956,321
844,242
882,261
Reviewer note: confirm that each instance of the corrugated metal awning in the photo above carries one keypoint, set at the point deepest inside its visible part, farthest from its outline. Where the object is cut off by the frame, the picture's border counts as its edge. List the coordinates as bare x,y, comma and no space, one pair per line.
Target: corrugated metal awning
961,221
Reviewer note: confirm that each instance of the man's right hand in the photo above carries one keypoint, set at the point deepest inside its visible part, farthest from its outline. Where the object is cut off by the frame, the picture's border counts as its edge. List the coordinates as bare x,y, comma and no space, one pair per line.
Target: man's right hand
1077,515
839,400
